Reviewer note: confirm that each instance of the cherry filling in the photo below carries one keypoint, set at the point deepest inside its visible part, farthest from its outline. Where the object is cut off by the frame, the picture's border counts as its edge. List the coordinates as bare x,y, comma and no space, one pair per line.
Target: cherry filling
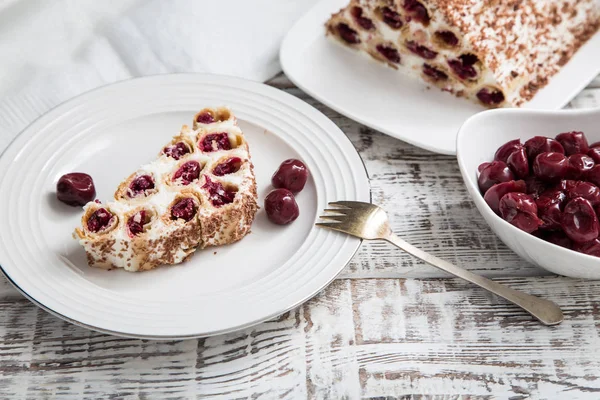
205,118
347,34
188,172
391,17
136,222
177,150
363,22
229,166
421,51
390,53
447,37
184,209
218,195
99,220
215,142
463,67
490,97
417,11
434,73
140,185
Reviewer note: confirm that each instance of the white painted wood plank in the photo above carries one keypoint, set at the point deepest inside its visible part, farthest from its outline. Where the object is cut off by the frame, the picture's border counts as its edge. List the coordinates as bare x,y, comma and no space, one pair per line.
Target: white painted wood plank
359,338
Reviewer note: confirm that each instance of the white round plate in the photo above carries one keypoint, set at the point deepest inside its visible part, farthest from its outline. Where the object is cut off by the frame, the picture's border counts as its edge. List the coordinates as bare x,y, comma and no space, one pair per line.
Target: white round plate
390,102
108,133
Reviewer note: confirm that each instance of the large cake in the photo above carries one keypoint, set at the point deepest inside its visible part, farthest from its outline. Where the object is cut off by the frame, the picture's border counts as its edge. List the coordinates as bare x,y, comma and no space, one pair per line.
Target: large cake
498,53
199,192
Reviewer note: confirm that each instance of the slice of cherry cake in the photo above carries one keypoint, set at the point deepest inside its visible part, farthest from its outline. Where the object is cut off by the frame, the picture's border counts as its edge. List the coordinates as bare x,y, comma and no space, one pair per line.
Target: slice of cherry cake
497,53
199,192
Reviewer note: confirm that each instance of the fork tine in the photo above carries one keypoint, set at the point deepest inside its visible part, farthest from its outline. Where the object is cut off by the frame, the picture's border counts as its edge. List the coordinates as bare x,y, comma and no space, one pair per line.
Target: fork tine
331,225
336,218
350,204
340,211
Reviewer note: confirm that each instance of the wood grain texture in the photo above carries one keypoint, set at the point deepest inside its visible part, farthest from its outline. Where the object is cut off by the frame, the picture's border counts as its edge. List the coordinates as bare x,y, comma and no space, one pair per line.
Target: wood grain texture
383,337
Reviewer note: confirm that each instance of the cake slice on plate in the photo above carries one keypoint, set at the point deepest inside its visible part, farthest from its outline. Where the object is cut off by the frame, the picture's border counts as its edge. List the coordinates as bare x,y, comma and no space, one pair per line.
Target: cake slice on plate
200,191
497,53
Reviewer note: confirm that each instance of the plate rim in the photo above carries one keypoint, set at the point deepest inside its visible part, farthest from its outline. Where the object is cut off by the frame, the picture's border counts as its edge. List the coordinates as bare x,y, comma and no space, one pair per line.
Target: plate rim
191,75
283,50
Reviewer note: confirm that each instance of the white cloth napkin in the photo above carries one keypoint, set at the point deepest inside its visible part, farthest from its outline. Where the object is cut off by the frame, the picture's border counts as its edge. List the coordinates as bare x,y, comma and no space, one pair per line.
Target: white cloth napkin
52,51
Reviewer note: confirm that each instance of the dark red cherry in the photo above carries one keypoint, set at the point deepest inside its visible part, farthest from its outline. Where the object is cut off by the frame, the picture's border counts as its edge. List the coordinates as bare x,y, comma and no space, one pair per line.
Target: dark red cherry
541,144
281,207
205,118
518,163
550,166
447,37
361,20
507,149
495,193
292,175
176,150
558,238
482,166
187,173
229,166
594,154
535,187
218,194
573,142
434,73
215,142
136,222
420,50
579,165
593,175
348,34
392,18
75,189
579,220
390,53
494,173
490,97
140,184
591,248
99,220
594,145
464,66
550,205
417,11
520,210
184,209
586,190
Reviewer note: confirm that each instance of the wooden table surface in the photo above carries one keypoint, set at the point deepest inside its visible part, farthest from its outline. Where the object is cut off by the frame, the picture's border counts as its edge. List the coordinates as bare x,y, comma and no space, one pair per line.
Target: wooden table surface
389,327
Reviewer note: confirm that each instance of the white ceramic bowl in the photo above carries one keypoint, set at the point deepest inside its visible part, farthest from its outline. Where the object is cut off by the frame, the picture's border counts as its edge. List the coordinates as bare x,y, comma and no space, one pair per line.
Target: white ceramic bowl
477,141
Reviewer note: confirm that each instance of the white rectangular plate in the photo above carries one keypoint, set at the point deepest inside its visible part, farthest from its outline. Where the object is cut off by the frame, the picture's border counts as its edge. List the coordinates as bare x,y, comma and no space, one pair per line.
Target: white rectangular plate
397,105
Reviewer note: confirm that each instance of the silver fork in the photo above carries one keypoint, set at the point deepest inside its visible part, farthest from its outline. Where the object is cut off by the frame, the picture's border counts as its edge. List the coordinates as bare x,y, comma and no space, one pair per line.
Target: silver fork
370,222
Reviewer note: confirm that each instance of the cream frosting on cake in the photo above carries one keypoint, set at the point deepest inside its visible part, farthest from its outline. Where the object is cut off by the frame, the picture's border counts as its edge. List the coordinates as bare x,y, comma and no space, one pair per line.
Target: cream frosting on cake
497,53
199,192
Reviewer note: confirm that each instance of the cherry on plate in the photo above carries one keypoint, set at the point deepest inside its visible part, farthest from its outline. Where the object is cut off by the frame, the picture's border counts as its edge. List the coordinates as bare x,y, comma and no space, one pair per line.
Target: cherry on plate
495,172
292,175
281,207
573,142
520,210
579,221
495,193
75,189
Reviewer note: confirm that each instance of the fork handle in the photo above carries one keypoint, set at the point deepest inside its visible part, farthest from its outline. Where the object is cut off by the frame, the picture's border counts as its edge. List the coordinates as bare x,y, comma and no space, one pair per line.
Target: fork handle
547,312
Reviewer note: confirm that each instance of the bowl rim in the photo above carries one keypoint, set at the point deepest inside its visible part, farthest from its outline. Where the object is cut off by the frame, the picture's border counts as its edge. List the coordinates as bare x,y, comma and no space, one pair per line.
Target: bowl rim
472,187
